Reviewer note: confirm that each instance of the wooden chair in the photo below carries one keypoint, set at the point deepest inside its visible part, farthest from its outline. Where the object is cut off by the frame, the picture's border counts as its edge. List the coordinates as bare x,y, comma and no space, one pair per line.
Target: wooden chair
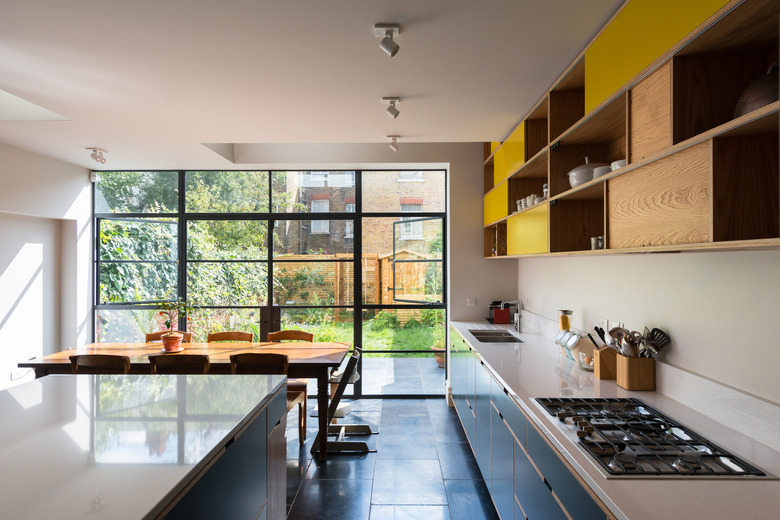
99,364
230,335
155,336
293,335
297,384
268,363
179,364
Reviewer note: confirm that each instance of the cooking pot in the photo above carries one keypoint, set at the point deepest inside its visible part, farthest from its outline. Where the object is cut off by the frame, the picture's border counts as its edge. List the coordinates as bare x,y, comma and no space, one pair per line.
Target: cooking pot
761,92
583,173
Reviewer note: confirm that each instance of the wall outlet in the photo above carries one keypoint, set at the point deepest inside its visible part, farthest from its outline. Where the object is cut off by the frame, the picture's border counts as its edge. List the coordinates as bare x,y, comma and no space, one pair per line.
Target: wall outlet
526,301
471,302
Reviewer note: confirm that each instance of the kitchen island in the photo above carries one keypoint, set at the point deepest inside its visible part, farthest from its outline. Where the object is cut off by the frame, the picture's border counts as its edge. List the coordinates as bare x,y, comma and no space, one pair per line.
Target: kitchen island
507,376
133,447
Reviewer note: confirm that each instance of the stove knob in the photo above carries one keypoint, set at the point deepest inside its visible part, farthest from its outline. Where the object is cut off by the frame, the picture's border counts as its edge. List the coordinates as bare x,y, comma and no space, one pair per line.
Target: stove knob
582,423
588,428
562,416
582,433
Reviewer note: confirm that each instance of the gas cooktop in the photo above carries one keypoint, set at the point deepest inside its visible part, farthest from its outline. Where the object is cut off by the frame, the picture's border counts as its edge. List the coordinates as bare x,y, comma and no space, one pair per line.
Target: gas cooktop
629,438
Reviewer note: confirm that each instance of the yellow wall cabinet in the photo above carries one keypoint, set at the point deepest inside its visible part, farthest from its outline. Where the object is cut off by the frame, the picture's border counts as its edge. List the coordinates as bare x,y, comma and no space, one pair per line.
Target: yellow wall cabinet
496,204
527,232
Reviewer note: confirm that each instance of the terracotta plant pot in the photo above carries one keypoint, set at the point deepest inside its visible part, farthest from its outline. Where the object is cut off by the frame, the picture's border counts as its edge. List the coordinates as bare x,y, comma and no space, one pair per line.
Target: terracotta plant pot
172,341
440,355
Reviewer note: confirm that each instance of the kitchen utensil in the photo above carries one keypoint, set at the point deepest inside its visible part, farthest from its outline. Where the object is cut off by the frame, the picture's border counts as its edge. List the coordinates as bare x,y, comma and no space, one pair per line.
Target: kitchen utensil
659,338
583,173
600,332
593,340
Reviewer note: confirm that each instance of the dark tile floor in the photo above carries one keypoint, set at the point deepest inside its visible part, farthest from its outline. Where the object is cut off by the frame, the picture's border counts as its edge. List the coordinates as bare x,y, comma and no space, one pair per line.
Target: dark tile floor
422,469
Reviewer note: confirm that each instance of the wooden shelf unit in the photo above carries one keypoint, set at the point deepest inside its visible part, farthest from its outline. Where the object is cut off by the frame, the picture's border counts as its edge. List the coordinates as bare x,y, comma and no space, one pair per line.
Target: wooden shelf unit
698,178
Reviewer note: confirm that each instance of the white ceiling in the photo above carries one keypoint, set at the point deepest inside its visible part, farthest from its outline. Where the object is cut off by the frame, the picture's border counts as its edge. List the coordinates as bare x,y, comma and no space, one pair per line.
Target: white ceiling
151,80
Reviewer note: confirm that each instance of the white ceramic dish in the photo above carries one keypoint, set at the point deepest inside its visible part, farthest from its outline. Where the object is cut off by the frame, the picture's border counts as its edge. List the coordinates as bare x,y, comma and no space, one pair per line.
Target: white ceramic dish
601,170
618,164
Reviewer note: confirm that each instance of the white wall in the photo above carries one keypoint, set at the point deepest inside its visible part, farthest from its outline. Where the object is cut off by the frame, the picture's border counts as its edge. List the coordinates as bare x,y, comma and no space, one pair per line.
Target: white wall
45,257
720,308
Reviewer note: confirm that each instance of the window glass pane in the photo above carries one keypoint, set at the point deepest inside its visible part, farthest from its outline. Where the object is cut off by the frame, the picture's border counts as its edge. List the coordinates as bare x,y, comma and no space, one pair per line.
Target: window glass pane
226,192
313,283
313,191
137,282
206,321
139,239
403,329
387,191
231,283
124,325
325,324
313,237
419,277
227,239
137,192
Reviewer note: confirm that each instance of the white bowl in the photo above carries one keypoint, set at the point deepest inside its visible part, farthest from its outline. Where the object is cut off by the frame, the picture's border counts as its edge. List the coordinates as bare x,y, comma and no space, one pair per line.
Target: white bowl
583,173
618,164
601,170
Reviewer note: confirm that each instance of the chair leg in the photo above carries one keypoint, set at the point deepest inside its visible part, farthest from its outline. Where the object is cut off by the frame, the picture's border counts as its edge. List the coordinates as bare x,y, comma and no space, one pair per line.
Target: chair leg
301,424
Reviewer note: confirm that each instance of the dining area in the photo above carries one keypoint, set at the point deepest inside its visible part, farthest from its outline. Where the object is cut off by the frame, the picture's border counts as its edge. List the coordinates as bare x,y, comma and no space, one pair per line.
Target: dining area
292,353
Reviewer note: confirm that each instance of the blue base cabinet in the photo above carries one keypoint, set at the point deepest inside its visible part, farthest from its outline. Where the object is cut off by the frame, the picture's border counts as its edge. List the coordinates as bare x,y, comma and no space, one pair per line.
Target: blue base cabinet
525,475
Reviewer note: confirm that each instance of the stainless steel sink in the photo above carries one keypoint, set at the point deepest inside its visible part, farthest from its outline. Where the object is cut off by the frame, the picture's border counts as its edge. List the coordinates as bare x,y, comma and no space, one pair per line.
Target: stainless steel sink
494,336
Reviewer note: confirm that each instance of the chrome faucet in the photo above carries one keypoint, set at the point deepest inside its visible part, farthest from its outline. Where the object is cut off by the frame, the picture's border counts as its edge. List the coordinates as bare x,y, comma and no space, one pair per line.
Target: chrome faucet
517,315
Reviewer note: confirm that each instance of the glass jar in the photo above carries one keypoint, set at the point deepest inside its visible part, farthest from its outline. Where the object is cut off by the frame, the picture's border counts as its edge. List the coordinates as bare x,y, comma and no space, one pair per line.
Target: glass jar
564,319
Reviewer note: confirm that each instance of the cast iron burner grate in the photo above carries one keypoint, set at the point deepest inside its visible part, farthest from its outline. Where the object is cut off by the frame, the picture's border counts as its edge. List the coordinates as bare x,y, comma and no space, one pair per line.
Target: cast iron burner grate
630,438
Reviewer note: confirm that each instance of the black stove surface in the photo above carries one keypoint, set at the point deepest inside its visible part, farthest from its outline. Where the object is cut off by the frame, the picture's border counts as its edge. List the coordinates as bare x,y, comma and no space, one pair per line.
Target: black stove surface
630,438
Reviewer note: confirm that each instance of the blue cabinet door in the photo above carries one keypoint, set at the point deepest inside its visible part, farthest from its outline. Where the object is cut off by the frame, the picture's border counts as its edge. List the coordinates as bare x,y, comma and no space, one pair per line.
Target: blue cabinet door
579,504
501,466
535,498
482,419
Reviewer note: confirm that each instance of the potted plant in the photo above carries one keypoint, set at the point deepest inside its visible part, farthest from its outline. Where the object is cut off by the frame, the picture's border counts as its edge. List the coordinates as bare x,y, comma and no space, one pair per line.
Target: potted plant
439,352
168,316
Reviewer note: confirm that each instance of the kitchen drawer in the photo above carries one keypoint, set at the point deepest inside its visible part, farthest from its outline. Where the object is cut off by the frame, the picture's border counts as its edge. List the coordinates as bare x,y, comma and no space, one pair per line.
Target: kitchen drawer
277,409
501,465
482,419
532,493
510,412
572,495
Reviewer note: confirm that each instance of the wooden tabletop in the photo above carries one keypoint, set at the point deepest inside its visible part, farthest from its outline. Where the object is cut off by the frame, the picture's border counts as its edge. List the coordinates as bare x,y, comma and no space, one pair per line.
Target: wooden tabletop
303,357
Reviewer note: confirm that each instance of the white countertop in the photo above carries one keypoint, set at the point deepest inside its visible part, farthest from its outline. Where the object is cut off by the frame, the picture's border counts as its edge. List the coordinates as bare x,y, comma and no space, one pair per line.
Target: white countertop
116,447
535,368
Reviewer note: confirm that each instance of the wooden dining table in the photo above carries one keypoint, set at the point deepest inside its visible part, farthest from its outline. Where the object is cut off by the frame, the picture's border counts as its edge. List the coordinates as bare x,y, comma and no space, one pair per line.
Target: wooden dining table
306,360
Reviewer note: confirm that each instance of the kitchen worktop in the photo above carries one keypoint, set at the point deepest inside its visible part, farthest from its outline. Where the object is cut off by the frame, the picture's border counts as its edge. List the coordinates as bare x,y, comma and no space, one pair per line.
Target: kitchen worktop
117,446
535,368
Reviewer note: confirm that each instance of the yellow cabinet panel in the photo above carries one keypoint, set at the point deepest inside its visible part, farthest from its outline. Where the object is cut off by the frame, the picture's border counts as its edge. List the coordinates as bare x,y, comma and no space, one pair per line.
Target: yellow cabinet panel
512,154
496,203
499,166
527,232
494,146
640,34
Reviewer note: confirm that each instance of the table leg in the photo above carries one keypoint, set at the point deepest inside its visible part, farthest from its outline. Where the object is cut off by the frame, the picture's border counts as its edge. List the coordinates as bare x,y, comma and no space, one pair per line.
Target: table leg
322,413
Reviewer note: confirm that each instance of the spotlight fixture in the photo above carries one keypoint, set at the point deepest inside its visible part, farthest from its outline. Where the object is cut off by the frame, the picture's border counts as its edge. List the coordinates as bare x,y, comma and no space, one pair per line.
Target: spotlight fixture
97,154
391,110
393,142
386,32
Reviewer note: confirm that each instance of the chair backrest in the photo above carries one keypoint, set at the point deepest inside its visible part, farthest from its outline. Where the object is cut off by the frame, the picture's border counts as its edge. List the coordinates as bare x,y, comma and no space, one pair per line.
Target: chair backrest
343,382
230,335
99,364
179,364
155,336
294,335
258,363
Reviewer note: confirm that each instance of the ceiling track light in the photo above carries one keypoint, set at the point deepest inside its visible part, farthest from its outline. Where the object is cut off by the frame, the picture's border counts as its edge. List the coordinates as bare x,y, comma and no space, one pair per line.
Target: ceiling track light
393,142
386,31
97,154
392,111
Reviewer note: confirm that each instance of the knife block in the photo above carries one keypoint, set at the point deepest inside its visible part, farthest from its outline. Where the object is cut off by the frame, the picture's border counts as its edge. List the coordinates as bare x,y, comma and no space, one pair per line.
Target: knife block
605,363
635,373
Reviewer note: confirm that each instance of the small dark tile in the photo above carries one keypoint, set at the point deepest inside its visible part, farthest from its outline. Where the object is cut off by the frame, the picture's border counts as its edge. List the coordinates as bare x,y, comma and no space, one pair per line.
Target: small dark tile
414,482
379,512
336,499
457,461
295,474
341,466
406,422
469,500
407,446
396,406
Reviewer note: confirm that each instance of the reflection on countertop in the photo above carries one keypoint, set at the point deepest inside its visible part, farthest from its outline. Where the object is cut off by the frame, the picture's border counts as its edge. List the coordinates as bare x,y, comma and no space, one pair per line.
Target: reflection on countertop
114,445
